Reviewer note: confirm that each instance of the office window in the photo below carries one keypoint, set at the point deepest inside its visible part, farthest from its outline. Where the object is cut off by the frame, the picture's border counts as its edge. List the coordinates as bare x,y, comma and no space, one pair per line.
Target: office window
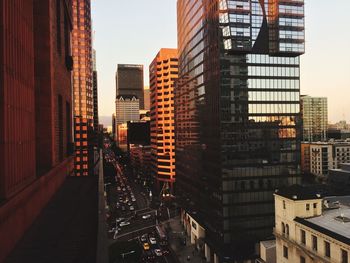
284,204
285,252
344,256
327,249
302,237
302,259
307,207
283,228
287,229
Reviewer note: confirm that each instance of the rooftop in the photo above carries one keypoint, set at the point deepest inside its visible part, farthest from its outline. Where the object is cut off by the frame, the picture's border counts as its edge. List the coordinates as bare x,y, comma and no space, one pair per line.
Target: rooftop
66,229
299,192
333,222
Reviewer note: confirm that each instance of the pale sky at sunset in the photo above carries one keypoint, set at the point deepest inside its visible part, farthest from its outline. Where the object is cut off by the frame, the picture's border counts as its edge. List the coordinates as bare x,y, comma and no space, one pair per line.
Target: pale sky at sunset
133,31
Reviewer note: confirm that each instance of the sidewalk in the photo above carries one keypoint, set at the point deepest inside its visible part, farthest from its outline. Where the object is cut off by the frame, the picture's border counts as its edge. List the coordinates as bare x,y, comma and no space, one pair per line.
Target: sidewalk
176,234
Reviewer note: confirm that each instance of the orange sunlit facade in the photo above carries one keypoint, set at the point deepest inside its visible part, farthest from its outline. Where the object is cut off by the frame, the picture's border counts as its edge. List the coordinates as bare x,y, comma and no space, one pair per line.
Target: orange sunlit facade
163,71
82,88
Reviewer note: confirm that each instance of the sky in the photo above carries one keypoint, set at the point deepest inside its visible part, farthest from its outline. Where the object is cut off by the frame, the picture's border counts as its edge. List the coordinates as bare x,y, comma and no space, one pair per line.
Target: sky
133,32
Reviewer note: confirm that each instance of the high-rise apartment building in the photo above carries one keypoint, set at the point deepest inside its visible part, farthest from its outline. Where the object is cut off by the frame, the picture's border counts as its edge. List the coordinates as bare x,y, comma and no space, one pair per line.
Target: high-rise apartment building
35,111
315,118
129,81
83,88
237,116
162,74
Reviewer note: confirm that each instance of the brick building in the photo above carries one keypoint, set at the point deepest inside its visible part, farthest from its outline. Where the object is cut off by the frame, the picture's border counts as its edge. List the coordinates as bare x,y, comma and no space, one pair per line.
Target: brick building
35,110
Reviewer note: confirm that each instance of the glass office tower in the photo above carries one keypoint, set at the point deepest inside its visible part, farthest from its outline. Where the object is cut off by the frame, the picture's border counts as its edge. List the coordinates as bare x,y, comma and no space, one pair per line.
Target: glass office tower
237,114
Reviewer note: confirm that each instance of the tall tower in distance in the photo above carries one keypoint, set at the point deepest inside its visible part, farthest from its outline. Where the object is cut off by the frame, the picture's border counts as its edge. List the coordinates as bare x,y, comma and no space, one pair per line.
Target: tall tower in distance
163,72
83,88
129,81
314,112
237,116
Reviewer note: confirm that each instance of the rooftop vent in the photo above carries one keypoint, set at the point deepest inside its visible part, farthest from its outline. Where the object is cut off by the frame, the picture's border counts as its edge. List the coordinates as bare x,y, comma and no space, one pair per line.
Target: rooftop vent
342,218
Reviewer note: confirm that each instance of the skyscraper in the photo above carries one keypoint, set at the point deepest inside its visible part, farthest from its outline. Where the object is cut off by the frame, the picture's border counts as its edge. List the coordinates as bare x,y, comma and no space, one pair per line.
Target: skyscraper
83,88
162,74
95,95
129,81
237,115
315,118
35,111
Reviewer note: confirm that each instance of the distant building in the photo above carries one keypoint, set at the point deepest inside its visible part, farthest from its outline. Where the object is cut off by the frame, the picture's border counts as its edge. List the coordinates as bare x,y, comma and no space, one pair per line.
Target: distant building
163,72
95,95
140,158
315,118
138,133
338,134
147,98
327,155
129,80
122,136
114,127
340,176
83,90
127,108
310,228
305,158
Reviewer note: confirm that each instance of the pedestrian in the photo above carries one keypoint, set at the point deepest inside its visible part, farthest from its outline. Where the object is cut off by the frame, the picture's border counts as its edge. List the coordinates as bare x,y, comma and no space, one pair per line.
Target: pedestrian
188,258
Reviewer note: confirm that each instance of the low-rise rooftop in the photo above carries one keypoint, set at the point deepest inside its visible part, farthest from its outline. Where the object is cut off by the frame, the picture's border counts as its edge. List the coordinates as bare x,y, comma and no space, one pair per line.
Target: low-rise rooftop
334,221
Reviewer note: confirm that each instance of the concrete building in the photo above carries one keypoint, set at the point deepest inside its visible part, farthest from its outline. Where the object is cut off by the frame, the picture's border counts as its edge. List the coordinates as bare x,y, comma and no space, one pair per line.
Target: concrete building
35,111
237,116
122,136
140,158
129,80
314,112
163,71
83,94
127,108
311,228
327,155
114,127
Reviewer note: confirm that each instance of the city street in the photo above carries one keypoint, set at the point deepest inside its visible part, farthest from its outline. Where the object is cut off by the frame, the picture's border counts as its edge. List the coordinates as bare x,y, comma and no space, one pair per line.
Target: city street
131,219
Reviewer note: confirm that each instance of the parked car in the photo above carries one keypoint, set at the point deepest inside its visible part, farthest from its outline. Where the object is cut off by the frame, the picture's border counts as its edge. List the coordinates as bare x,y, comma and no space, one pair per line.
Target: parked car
132,208
158,252
145,246
124,223
144,238
152,240
146,216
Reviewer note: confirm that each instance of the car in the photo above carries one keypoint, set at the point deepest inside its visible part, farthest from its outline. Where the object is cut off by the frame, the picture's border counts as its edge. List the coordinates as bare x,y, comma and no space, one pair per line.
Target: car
146,216
143,238
125,223
152,240
123,208
146,246
129,203
133,199
131,208
119,219
158,252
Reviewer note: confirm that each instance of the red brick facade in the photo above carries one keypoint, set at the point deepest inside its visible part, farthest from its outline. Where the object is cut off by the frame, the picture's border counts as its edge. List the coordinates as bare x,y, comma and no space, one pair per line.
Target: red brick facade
35,110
